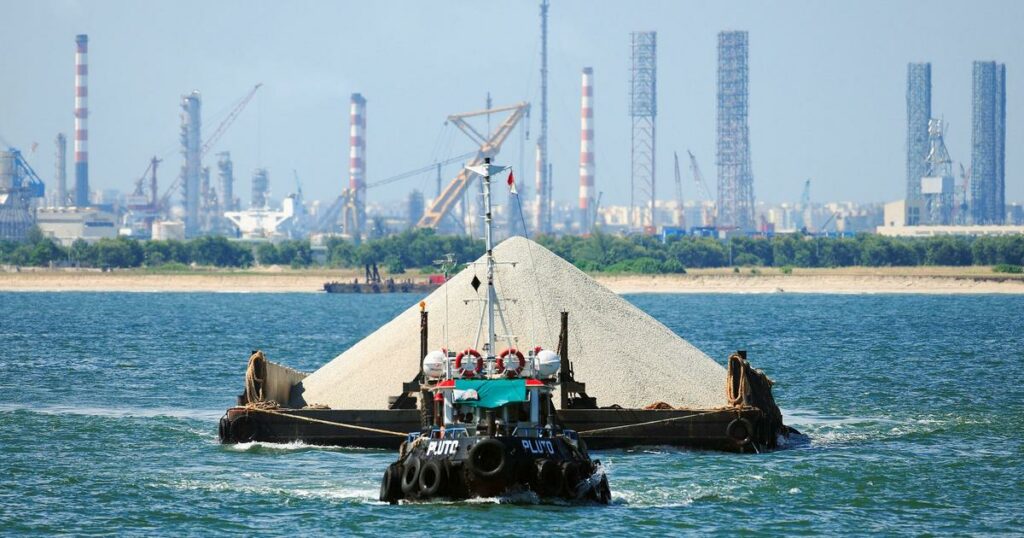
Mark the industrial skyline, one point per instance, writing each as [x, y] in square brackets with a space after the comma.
[312, 148]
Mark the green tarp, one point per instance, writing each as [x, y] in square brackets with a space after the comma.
[490, 393]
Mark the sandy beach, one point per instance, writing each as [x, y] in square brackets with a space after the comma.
[936, 280]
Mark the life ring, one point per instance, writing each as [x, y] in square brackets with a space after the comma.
[469, 372]
[487, 458]
[411, 476]
[740, 430]
[499, 365]
[432, 479]
[391, 484]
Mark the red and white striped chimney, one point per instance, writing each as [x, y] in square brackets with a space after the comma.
[587, 151]
[357, 158]
[81, 121]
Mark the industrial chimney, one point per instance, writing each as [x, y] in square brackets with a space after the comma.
[81, 121]
[61, 173]
[587, 151]
[357, 161]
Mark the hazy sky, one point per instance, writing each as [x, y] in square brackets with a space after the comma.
[827, 85]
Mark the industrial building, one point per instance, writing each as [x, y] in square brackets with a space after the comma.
[66, 225]
[735, 178]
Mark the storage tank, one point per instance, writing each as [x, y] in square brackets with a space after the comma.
[6, 171]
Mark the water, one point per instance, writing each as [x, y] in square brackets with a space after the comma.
[914, 407]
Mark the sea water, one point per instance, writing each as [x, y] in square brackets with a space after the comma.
[913, 406]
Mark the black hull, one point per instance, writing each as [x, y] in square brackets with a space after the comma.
[744, 429]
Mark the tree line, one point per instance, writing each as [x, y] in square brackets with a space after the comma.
[599, 252]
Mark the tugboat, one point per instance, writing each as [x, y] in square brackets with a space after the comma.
[491, 427]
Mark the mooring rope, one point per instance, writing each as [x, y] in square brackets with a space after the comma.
[662, 421]
[327, 422]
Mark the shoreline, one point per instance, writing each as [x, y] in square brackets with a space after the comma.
[853, 280]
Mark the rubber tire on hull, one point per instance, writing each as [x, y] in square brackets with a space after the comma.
[242, 429]
[570, 478]
[411, 476]
[487, 458]
[432, 479]
[740, 430]
[222, 430]
[547, 481]
[391, 484]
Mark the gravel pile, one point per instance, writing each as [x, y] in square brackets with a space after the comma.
[623, 355]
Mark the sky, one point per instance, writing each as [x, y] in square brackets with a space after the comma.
[827, 86]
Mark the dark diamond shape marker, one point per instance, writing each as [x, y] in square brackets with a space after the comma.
[475, 283]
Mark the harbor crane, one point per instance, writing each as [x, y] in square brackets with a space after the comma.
[489, 147]
[698, 178]
[346, 201]
[680, 216]
[805, 207]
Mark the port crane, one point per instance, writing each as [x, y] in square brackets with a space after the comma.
[698, 178]
[805, 206]
[489, 147]
[346, 201]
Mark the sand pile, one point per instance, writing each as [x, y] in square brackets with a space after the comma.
[623, 355]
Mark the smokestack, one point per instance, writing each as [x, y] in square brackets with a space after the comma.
[81, 121]
[192, 170]
[61, 198]
[587, 151]
[357, 159]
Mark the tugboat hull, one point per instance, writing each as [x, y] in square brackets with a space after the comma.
[467, 467]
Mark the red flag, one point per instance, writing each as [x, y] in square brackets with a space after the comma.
[512, 182]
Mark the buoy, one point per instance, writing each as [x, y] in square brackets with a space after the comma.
[501, 368]
[465, 370]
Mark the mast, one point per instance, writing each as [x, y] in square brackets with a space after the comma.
[491, 299]
[486, 170]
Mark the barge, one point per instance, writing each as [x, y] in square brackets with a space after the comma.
[751, 422]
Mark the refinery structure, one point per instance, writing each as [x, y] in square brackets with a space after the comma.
[202, 198]
[942, 198]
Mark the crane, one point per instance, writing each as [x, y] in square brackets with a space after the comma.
[698, 178]
[330, 216]
[212, 139]
[805, 206]
[489, 147]
[680, 216]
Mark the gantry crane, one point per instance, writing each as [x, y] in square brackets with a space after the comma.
[489, 147]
